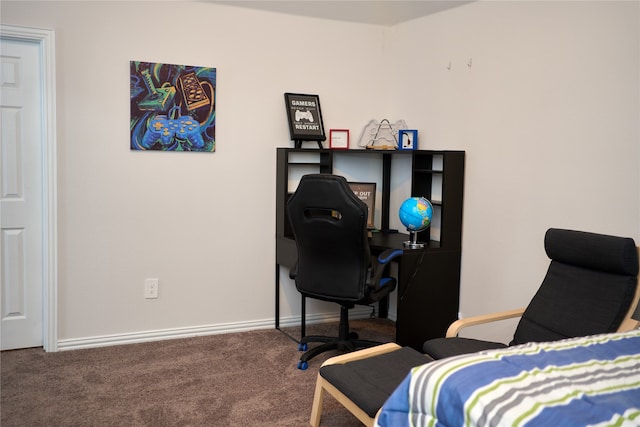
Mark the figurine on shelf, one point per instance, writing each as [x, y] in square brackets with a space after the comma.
[381, 135]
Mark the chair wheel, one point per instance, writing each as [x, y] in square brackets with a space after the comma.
[303, 365]
[353, 335]
[303, 346]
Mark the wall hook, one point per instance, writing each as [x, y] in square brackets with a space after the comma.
[449, 66]
[470, 63]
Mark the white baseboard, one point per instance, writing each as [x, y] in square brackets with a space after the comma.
[194, 331]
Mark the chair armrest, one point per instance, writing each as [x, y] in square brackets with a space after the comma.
[362, 354]
[629, 323]
[389, 254]
[380, 263]
[459, 324]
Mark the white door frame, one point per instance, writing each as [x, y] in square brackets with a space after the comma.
[46, 41]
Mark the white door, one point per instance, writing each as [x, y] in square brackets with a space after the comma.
[21, 195]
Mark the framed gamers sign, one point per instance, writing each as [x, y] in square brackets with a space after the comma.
[172, 107]
[305, 118]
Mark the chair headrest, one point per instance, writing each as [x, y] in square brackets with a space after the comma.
[612, 254]
[326, 191]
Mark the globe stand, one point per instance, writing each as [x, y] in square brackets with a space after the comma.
[413, 243]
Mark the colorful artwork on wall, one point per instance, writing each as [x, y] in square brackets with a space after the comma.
[172, 107]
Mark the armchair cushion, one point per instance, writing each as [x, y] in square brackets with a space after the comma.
[588, 288]
[369, 382]
[439, 348]
[610, 254]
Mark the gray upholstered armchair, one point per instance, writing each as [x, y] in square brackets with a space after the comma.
[588, 289]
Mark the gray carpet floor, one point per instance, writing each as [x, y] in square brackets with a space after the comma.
[242, 379]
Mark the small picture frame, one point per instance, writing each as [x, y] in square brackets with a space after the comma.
[366, 191]
[407, 139]
[305, 118]
[339, 139]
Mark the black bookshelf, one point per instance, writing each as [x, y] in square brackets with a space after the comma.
[429, 278]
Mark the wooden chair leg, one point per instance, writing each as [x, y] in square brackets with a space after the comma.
[348, 404]
[323, 386]
[318, 399]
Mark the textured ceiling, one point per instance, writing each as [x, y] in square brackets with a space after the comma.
[382, 12]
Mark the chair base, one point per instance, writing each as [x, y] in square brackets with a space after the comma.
[346, 341]
[346, 346]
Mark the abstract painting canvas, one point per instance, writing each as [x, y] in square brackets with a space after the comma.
[172, 107]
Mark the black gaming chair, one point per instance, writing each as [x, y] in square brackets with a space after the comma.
[334, 261]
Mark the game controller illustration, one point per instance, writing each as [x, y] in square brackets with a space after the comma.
[172, 107]
[158, 99]
[306, 115]
[381, 134]
[408, 139]
[193, 92]
[164, 129]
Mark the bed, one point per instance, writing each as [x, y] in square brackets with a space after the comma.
[586, 381]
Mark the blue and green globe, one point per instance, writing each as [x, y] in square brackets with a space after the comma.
[416, 213]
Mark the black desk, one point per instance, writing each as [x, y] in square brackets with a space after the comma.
[428, 286]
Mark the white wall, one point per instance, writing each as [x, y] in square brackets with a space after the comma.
[548, 114]
[544, 97]
[204, 224]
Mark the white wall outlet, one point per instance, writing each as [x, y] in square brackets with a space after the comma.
[151, 288]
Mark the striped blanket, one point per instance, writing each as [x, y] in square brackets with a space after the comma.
[590, 381]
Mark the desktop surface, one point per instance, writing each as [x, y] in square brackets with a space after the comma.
[380, 241]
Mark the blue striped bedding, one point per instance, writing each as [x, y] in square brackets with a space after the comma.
[590, 381]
